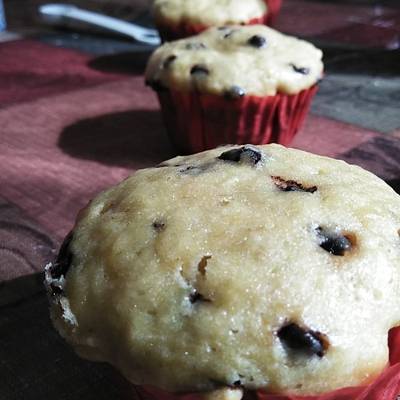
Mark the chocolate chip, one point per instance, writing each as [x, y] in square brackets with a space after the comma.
[199, 70]
[195, 46]
[333, 242]
[158, 226]
[300, 70]
[234, 92]
[237, 383]
[64, 259]
[257, 41]
[169, 60]
[292, 186]
[195, 297]
[242, 154]
[156, 85]
[303, 340]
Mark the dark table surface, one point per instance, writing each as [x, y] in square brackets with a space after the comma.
[75, 117]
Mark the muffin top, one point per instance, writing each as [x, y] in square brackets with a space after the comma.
[234, 61]
[252, 266]
[208, 12]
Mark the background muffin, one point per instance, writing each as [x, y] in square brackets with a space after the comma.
[176, 19]
[255, 267]
[235, 84]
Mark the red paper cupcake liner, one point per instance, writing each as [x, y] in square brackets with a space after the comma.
[169, 32]
[274, 7]
[197, 122]
[385, 387]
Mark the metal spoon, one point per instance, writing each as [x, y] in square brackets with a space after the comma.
[61, 13]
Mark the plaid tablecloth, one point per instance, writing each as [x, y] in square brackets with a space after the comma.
[73, 123]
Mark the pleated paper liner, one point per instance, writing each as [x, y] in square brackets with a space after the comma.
[197, 122]
[169, 32]
[385, 387]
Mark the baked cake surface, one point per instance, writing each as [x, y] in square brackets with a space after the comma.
[208, 12]
[236, 60]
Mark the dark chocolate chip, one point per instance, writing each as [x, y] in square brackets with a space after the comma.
[292, 186]
[300, 70]
[237, 383]
[333, 242]
[234, 92]
[195, 297]
[303, 340]
[195, 46]
[257, 41]
[158, 226]
[64, 259]
[246, 154]
[169, 60]
[199, 70]
[156, 85]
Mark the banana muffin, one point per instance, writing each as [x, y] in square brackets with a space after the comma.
[234, 84]
[176, 19]
[247, 267]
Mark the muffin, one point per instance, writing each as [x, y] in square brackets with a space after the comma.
[237, 84]
[238, 269]
[177, 19]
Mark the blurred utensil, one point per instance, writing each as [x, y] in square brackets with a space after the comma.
[63, 13]
[2, 17]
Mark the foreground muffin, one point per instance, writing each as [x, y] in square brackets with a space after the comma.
[234, 84]
[248, 267]
[176, 19]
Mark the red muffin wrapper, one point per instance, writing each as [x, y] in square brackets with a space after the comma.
[385, 387]
[169, 32]
[197, 122]
[274, 7]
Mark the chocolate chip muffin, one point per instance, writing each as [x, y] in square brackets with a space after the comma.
[234, 84]
[176, 19]
[241, 267]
